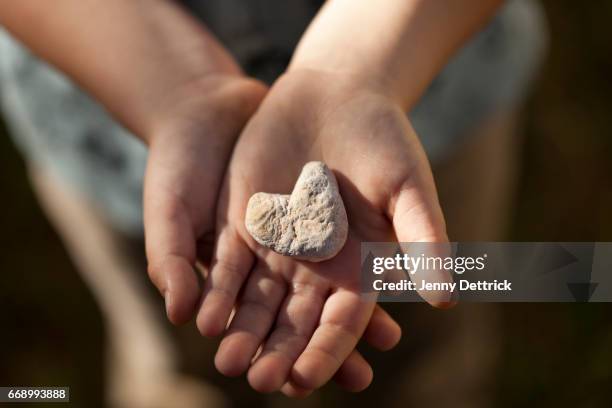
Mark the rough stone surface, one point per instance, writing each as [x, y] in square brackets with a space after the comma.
[310, 224]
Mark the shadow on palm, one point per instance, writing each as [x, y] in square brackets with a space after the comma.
[296, 322]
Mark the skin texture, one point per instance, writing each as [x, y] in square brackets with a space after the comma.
[347, 109]
[168, 80]
[180, 213]
[388, 192]
[134, 57]
[187, 159]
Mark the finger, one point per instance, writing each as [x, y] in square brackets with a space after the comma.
[230, 266]
[343, 321]
[383, 332]
[355, 374]
[259, 304]
[170, 248]
[296, 321]
[293, 391]
[417, 218]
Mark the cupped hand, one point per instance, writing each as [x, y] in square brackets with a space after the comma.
[189, 148]
[296, 324]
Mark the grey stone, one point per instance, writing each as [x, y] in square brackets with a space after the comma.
[310, 224]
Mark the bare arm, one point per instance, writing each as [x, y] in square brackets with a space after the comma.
[402, 44]
[163, 76]
[359, 67]
[129, 54]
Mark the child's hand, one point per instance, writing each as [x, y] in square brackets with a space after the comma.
[190, 146]
[169, 81]
[310, 316]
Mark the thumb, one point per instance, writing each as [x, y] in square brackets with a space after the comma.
[417, 218]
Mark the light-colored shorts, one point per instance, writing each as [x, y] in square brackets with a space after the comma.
[61, 129]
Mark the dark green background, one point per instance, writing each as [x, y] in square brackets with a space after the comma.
[554, 355]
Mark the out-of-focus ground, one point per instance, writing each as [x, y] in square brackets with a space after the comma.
[561, 355]
[553, 355]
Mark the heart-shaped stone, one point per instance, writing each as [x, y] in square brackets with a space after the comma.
[310, 224]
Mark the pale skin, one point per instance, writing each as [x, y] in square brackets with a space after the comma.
[166, 78]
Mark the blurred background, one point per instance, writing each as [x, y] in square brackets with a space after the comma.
[51, 332]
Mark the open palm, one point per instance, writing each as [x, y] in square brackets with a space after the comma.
[296, 323]
[189, 151]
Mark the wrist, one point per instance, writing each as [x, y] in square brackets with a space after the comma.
[312, 100]
[399, 44]
[354, 79]
[211, 101]
[335, 86]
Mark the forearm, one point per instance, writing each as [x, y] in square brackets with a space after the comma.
[130, 55]
[399, 44]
